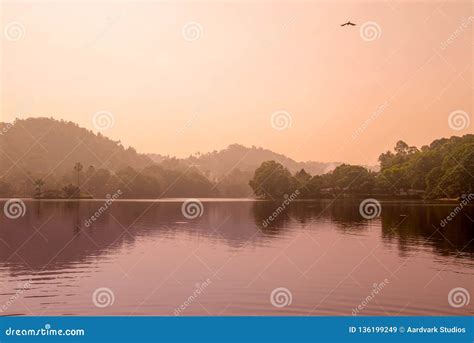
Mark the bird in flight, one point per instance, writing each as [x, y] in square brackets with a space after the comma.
[348, 23]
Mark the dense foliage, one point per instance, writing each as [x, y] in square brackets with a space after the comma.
[44, 157]
[47, 158]
[444, 169]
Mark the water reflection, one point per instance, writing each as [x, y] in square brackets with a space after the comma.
[52, 234]
[152, 257]
[410, 224]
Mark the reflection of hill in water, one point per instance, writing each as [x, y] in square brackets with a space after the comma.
[52, 235]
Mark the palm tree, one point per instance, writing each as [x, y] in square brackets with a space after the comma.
[38, 183]
[78, 168]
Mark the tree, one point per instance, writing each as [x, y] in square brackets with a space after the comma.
[272, 181]
[78, 168]
[352, 179]
[5, 189]
[38, 183]
[303, 179]
[401, 148]
[71, 191]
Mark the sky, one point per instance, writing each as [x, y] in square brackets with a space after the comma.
[180, 77]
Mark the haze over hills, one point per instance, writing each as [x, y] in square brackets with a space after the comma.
[49, 158]
[60, 144]
[48, 148]
[216, 164]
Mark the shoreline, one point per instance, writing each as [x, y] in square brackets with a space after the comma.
[381, 200]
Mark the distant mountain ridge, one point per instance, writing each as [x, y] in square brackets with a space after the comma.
[41, 154]
[216, 164]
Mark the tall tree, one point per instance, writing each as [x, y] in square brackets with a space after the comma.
[38, 183]
[272, 181]
[78, 168]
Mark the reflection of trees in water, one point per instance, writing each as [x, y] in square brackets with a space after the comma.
[53, 234]
[411, 224]
[345, 214]
[420, 225]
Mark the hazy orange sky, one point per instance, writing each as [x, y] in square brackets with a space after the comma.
[173, 93]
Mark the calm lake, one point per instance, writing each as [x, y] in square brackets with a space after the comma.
[318, 258]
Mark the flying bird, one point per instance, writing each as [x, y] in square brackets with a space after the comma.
[348, 23]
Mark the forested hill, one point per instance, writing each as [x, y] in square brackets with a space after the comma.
[44, 157]
[216, 164]
[49, 158]
[48, 146]
[443, 169]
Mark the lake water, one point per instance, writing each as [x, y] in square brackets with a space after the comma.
[318, 258]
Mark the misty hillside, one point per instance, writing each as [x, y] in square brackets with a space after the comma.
[56, 158]
[49, 146]
[218, 163]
